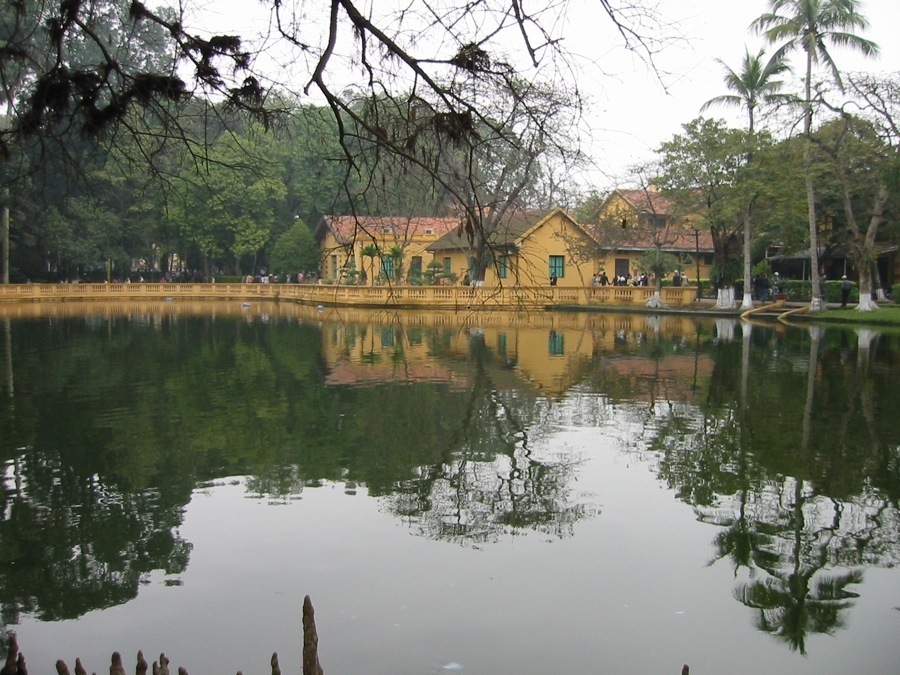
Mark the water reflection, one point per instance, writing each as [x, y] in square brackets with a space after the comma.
[784, 441]
[792, 479]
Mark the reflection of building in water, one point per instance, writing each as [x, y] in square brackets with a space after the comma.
[550, 353]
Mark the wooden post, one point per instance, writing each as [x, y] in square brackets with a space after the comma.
[311, 664]
[15, 660]
[9, 667]
[115, 666]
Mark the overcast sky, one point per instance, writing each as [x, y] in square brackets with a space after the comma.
[636, 114]
[632, 110]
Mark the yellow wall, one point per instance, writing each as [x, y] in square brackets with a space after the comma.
[615, 210]
[333, 256]
[556, 235]
[459, 263]
[413, 246]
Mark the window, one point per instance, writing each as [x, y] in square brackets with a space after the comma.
[446, 265]
[387, 265]
[556, 344]
[415, 265]
[557, 266]
[334, 267]
[502, 264]
[501, 344]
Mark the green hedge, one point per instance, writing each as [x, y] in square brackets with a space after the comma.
[801, 290]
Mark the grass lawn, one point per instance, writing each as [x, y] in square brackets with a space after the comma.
[886, 314]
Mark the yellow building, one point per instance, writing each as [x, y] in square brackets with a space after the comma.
[370, 250]
[632, 222]
[528, 248]
[525, 248]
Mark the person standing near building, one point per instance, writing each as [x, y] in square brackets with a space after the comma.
[846, 285]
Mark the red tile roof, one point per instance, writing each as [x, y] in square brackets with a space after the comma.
[647, 201]
[347, 228]
[642, 238]
[514, 224]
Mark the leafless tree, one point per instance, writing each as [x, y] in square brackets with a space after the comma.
[440, 63]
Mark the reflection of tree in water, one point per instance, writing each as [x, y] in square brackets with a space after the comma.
[71, 544]
[279, 483]
[490, 482]
[476, 501]
[797, 597]
[773, 470]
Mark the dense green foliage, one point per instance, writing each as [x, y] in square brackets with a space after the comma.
[143, 184]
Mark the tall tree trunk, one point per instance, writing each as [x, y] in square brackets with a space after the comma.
[880, 294]
[863, 244]
[4, 236]
[816, 303]
[747, 301]
[4, 197]
[865, 302]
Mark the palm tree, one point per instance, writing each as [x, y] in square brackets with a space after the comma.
[811, 25]
[397, 254]
[754, 85]
[370, 251]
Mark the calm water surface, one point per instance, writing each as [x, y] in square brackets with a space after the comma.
[456, 493]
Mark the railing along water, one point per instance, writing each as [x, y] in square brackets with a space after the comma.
[449, 297]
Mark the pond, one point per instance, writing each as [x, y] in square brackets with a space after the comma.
[474, 493]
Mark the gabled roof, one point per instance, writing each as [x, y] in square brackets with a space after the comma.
[514, 227]
[645, 201]
[347, 229]
[643, 238]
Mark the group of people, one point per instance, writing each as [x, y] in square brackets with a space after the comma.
[266, 278]
[846, 287]
[626, 279]
[762, 286]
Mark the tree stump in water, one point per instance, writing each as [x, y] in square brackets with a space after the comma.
[15, 661]
[311, 664]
